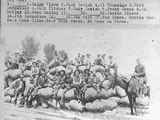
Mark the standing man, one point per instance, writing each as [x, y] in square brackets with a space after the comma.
[35, 73]
[112, 70]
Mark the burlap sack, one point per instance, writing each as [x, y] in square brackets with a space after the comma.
[123, 101]
[91, 94]
[9, 92]
[107, 84]
[14, 74]
[105, 94]
[69, 95]
[142, 101]
[7, 99]
[101, 105]
[120, 92]
[45, 92]
[74, 105]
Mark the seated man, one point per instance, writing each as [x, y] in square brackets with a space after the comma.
[67, 85]
[87, 80]
[77, 82]
[35, 73]
[19, 92]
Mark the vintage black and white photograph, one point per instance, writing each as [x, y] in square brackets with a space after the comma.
[64, 71]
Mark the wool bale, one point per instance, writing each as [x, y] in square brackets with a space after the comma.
[109, 104]
[15, 84]
[45, 92]
[14, 74]
[101, 105]
[123, 101]
[104, 94]
[107, 84]
[82, 67]
[7, 99]
[90, 94]
[142, 101]
[95, 106]
[74, 105]
[120, 92]
[116, 99]
[98, 68]
[27, 73]
[9, 92]
[70, 94]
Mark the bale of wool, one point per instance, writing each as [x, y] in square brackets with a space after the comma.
[45, 92]
[142, 101]
[116, 99]
[15, 84]
[14, 74]
[27, 73]
[100, 105]
[98, 68]
[9, 92]
[95, 106]
[70, 94]
[82, 67]
[7, 99]
[123, 101]
[91, 94]
[107, 84]
[120, 92]
[74, 105]
[110, 104]
[104, 94]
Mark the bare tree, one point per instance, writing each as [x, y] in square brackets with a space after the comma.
[63, 56]
[50, 52]
[30, 47]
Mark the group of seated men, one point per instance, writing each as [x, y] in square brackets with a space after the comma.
[79, 79]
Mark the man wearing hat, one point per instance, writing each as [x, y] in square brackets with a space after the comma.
[112, 70]
[68, 82]
[140, 74]
[98, 60]
[86, 82]
[19, 92]
[35, 72]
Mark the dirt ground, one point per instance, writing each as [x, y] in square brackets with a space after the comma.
[12, 112]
